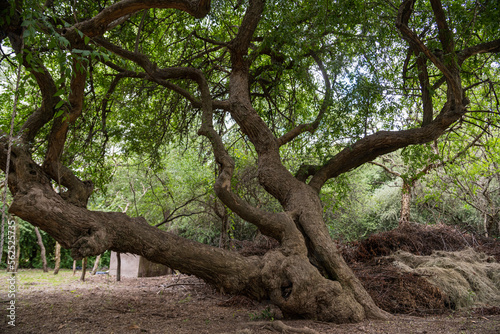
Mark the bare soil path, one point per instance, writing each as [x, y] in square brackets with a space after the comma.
[179, 304]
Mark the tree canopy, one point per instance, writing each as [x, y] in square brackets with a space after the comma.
[312, 89]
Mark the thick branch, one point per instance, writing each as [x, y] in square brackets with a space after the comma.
[383, 142]
[450, 70]
[444, 32]
[90, 233]
[159, 76]
[488, 47]
[46, 111]
[78, 191]
[103, 21]
[279, 226]
[423, 78]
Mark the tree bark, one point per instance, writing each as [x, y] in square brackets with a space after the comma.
[57, 256]
[42, 249]
[74, 267]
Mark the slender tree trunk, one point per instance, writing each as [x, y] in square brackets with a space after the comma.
[42, 250]
[225, 238]
[18, 246]
[2, 235]
[74, 267]
[405, 202]
[118, 267]
[57, 264]
[84, 269]
[96, 264]
[492, 223]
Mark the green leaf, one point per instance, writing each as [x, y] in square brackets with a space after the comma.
[58, 105]
[59, 92]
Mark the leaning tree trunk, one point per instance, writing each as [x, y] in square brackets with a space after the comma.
[96, 264]
[42, 249]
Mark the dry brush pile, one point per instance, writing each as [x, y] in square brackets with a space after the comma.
[418, 269]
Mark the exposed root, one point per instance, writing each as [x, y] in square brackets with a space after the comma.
[280, 327]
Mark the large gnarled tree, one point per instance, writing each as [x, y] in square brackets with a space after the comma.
[279, 71]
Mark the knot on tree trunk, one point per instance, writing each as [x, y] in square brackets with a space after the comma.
[79, 196]
[299, 290]
[92, 242]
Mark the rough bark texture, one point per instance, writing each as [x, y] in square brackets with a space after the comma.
[305, 276]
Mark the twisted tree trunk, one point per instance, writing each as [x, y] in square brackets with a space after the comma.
[305, 276]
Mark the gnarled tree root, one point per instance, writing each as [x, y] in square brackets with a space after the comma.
[280, 327]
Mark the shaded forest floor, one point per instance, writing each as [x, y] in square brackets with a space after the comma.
[184, 304]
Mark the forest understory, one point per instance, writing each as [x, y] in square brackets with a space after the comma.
[433, 279]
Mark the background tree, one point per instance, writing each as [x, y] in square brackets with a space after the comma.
[57, 256]
[42, 249]
[474, 182]
[314, 77]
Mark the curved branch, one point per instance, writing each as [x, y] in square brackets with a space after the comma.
[444, 32]
[271, 224]
[103, 21]
[78, 191]
[386, 168]
[91, 233]
[159, 76]
[46, 111]
[382, 142]
[450, 71]
[311, 127]
[488, 47]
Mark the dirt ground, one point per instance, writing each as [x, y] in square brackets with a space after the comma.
[184, 304]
